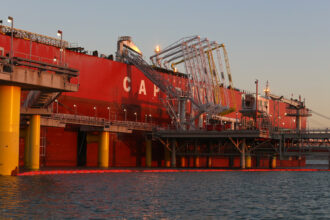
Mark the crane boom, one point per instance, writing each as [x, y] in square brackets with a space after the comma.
[295, 103]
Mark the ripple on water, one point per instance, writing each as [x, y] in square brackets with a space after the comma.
[278, 195]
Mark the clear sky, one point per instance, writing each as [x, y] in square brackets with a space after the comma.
[285, 41]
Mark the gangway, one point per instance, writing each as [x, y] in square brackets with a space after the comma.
[203, 80]
[203, 65]
[91, 123]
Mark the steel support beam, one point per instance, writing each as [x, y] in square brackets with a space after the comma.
[173, 154]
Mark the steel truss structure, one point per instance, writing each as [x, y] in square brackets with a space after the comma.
[205, 85]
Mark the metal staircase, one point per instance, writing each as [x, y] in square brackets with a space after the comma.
[172, 94]
[154, 76]
[40, 99]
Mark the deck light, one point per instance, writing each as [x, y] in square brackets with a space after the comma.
[75, 109]
[10, 19]
[95, 111]
[109, 110]
[157, 49]
[56, 101]
[60, 34]
[125, 111]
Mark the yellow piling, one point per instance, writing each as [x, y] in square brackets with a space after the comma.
[197, 162]
[209, 162]
[27, 147]
[274, 162]
[148, 153]
[103, 153]
[34, 140]
[183, 161]
[248, 162]
[9, 129]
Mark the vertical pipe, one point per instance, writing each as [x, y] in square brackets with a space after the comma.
[200, 121]
[173, 154]
[256, 103]
[35, 143]
[167, 157]
[243, 155]
[61, 48]
[278, 114]
[183, 113]
[27, 147]
[196, 155]
[209, 158]
[274, 114]
[280, 146]
[30, 47]
[298, 126]
[9, 129]
[148, 152]
[103, 151]
[257, 161]
[12, 40]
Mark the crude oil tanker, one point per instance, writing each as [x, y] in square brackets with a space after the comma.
[113, 91]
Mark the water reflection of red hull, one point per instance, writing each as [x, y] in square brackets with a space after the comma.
[59, 172]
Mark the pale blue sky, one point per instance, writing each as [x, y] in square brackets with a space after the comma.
[286, 41]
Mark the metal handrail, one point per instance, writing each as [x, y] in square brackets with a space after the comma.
[34, 36]
[96, 121]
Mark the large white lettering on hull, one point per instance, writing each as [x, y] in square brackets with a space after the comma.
[142, 88]
[127, 80]
[156, 90]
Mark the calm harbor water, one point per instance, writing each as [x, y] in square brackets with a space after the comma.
[210, 195]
